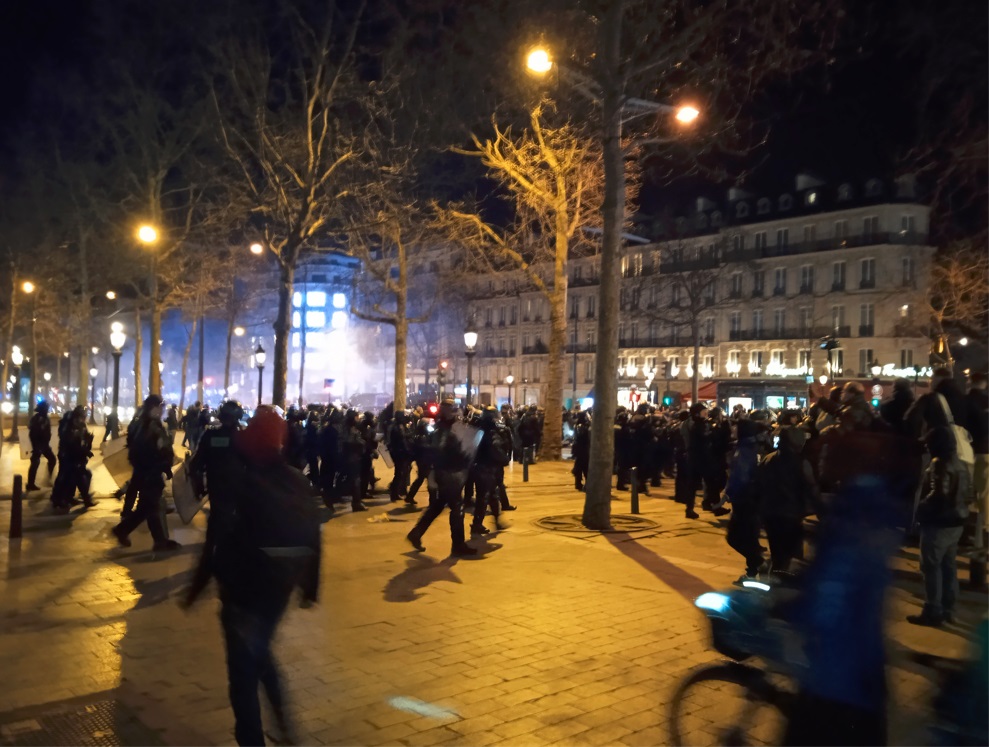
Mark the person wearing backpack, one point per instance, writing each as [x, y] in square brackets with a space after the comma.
[150, 452]
[492, 456]
[941, 515]
[264, 548]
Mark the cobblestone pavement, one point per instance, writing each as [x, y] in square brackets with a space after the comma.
[549, 637]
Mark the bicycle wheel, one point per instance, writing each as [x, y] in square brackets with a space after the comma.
[727, 704]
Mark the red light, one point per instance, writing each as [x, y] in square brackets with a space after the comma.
[433, 409]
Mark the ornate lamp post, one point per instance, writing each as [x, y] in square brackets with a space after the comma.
[92, 395]
[259, 359]
[470, 341]
[17, 358]
[509, 380]
[117, 340]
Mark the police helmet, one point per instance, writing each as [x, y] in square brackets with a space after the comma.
[230, 412]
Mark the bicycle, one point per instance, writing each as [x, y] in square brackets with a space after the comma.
[731, 703]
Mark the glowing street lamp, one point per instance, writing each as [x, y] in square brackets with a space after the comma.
[92, 395]
[111, 295]
[686, 114]
[239, 331]
[27, 286]
[509, 380]
[147, 234]
[17, 358]
[538, 61]
[118, 339]
[256, 248]
[259, 358]
[470, 342]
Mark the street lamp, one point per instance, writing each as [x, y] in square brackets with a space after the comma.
[239, 331]
[509, 380]
[48, 384]
[28, 287]
[17, 358]
[117, 340]
[111, 295]
[256, 248]
[147, 234]
[92, 395]
[259, 359]
[876, 369]
[470, 341]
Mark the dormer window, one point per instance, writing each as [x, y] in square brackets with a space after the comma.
[786, 202]
[716, 219]
[681, 225]
[742, 210]
[701, 220]
[763, 206]
[873, 188]
[845, 192]
[810, 198]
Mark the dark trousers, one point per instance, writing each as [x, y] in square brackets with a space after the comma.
[421, 472]
[715, 479]
[149, 487]
[579, 470]
[313, 461]
[486, 482]
[938, 551]
[36, 454]
[400, 483]
[247, 633]
[693, 481]
[743, 536]
[446, 495]
[786, 538]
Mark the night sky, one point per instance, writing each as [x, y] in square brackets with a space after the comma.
[855, 120]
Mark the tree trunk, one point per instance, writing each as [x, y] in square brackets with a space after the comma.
[138, 350]
[9, 341]
[283, 330]
[154, 375]
[226, 365]
[201, 384]
[303, 313]
[84, 383]
[401, 356]
[185, 362]
[597, 496]
[694, 379]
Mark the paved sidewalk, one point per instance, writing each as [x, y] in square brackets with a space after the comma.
[550, 637]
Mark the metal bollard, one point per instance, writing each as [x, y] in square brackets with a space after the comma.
[634, 486]
[525, 464]
[16, 509]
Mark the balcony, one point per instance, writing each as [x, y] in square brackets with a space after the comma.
[779, 291]
[806, 247]
[757, 293]
[837, 287]
[540, 348]
[866, 284]
[735, 294]
[845, 330]
[806, 290]
[867, 330]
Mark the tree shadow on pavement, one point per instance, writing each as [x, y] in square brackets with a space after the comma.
[685, 584]
[419, 573]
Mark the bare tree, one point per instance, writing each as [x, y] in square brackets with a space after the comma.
[959, 296]
[286, 126]
[553, 179]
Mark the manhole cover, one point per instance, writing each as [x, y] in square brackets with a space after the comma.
[619, 523]
[106, 723]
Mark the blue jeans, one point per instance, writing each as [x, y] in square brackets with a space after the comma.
[938, 548]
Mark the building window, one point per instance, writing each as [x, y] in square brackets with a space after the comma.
[779, 289]
[736, 285]
[806, 319]
[782, 237]
[844, 192]
[742, 210]
[906, 358]
[339, 301]
[837, 318]
[760, 239]
[779, 322]
[807, 278]
[757, 322]
[867, 273]
[905, 311]
[908, 271]
[755, 361]
[515, 314]
[591, 302]
[738, 242]
[758, 282]
[732, 358]
[841, 230]
[676, 291]
[735, 322]
[316, 299]
[588, 371]
[867, 319]
[838, 276]
[578, 272]
[489, 317]
[908, 225]
[785, 202]
[870, 226]
[865, 361]
[803, 359]
[708, 330]
[634, 334]
[776, 357]
[810, 234]
[653, 296]
[763, 206]
[838, 361]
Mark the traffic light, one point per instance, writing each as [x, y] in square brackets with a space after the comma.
[667, 401]
[433, 409]
[441, 373]
[875, 401]
[666, 375]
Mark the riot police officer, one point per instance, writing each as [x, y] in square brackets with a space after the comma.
[40, 434]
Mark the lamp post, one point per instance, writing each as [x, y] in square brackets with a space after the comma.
[92, 395]
[68, 378]
[149, 235]
[17, 358]
[509, 380]
[259, 359]
[117, 340]
[470, 341]
[28, 287]
[48, 384]
[525, 391]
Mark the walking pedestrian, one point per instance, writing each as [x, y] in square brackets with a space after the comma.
[40, 435]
